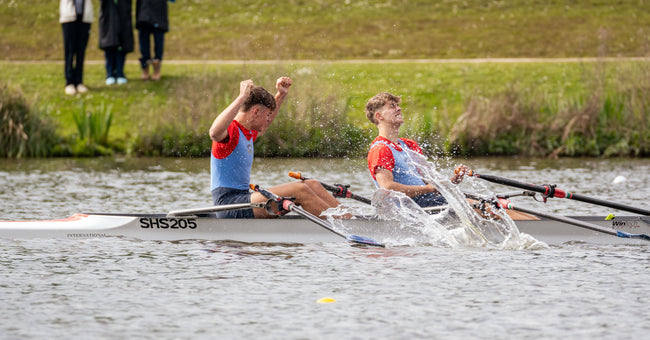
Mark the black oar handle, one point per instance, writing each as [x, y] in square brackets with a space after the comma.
[338, 190]
[552, 191]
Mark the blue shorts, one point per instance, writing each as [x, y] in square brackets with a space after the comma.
[430, 199]
[222, 196]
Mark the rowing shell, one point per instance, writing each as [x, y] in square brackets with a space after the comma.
[286, 229]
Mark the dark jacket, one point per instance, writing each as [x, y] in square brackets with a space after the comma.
[115, 25]
[152, 13]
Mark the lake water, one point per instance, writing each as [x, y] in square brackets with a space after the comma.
[121, 288]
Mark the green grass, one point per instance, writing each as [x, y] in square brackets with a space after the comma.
[171, 117]
[475, 108]
[429, 88]
[336, 29]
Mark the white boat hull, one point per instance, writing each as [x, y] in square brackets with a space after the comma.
[287, 229]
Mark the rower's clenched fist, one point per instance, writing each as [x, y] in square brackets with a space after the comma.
[459, 173]
[283, 84]
[245, 87]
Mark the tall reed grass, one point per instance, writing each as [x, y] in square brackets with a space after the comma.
[92, 128]
[610, 120]
[313, 122]
[24, 132]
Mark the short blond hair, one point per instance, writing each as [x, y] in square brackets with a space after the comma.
[377, 102]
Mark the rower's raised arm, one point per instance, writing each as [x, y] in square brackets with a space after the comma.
[282, 85]
[219, 128]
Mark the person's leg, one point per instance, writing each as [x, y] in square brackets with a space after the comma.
[82, 33]
[120, 60]
[159, 41]
[109, 56]
[145, 47]
[144, 38]
[68, 53]
[313, 198]
[224, 196]
[430, 199]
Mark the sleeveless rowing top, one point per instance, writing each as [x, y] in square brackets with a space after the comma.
[231, 162]
[404, 171]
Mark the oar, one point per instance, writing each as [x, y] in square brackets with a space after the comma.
[503, 203]
[552, 191]
[289, 205]
[338, 190]
[217, 208]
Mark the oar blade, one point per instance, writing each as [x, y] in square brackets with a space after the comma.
[628, 235]
[364, 240]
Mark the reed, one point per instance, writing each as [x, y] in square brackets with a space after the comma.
[92, 128]
[609, 119]
[24, 131]
[313, 122]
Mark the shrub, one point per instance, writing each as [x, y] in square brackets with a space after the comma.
[24, 131]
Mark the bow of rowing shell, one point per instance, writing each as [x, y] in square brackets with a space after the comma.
[287, 229]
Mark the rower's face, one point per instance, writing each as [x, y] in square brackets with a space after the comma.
[391, 113]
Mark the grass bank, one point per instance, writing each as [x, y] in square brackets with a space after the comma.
[538, 109]
[381, 29]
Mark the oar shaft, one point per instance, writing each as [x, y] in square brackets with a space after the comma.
[338, 191]
[559, 193]
[291, 206]
[212, 209]
[596, 201]
[511, 182]
[508, 205]
[302, 212]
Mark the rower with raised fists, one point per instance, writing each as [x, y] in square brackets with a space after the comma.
[233, 132]
[388, 161]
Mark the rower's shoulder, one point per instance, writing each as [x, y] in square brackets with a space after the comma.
[412, 144]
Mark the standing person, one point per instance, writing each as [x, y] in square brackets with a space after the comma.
[151, 19]
[233, 132]
[115, 37]
[388, 160]
[75, 17]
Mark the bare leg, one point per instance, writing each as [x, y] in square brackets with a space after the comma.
[311, 197]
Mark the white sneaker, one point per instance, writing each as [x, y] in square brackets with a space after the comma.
[110, 81]
[81, 88]
[70, 90]
[121, 81]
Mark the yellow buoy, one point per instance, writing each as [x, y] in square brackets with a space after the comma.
[326, 300]
[610, 217]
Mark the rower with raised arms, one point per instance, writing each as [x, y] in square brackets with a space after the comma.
[388, 160]
[233, 132]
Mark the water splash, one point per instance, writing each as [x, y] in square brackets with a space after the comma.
[404, 223]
